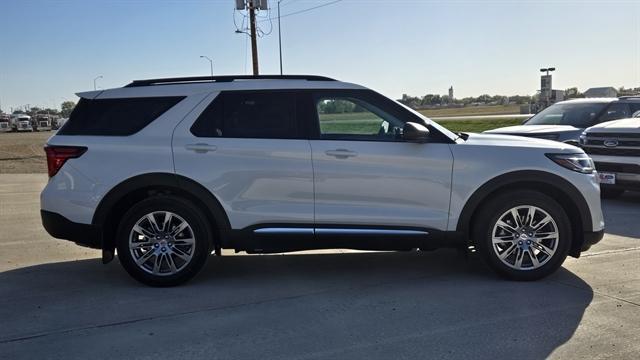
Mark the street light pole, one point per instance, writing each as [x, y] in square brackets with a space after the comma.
[210, 62]
[94, 82]
[546, 85]
[279, 37]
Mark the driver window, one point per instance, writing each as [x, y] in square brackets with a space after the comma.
[350, 118]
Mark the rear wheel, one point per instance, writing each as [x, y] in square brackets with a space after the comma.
[523, 235]
[163, 241]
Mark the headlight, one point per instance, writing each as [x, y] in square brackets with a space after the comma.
[583, 139]
[576, 162]
[573, 142]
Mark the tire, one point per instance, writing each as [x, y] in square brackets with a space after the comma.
[549, 244]
[610, 193]
[164, 258]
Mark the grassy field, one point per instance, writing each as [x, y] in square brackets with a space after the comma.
[22, 153]
[473, 111]
[364, 123]
[478, 125]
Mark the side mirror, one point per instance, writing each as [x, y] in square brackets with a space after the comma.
[415, 132]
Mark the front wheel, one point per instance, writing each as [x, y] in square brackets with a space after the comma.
[523, 235]
[163, 241]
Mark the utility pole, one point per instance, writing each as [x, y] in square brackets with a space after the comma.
[254, 43]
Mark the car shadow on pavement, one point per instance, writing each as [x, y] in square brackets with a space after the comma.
[621, 214]
[349, 305]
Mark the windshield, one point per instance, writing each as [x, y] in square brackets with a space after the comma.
[580, 115]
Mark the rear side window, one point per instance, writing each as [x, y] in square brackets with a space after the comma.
[116, 117]
[249, 115]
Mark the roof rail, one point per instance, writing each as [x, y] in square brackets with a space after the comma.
[224, 78]
[629, 97]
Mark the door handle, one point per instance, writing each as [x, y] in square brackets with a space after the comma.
[341, 153]
[201, 148]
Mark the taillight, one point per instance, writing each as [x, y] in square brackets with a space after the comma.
[58, 155]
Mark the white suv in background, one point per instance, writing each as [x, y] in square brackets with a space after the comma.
[168, 171]
[615, 148]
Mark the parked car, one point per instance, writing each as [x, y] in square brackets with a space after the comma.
[21, 122]
[168, 171]
[5, 123]
[42, 123]
[615, 148]
[566, 120]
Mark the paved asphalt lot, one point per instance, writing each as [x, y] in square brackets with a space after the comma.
[58, 301]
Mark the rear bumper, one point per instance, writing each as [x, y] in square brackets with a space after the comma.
[591, 238]
[60, 227]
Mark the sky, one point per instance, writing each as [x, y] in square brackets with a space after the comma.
[49, 50]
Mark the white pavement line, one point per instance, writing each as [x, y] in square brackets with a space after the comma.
[26, 242]
[200, 310]
[612, 297]
[607, 252]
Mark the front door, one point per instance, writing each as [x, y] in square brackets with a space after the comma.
[366, 175]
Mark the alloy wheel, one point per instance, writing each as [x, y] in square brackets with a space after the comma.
[525, 237]
[162, 243]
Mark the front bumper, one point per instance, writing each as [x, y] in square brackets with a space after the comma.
[60, 227]
[627, 171]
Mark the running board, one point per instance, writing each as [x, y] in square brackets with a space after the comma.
[279, 238]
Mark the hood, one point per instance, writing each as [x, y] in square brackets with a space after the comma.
[533, 129]
[519, 142]
[616, 126]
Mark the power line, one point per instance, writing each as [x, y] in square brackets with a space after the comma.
[283, 4]
[303, 10]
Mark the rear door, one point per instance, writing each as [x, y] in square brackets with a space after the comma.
[366, 175]
[249, 150]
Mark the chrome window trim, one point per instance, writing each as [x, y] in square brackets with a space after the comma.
[284, 230]
[338, 231]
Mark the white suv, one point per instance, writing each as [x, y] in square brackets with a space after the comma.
[615, 148]
[168, 171]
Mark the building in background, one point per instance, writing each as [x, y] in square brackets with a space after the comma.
[608, 91]
[451, 94]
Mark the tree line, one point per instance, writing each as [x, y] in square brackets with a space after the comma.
[435, 99]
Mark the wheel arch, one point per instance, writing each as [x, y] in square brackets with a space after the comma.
[115, 203]
[561, 190]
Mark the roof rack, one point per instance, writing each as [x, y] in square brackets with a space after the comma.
[224, 78]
